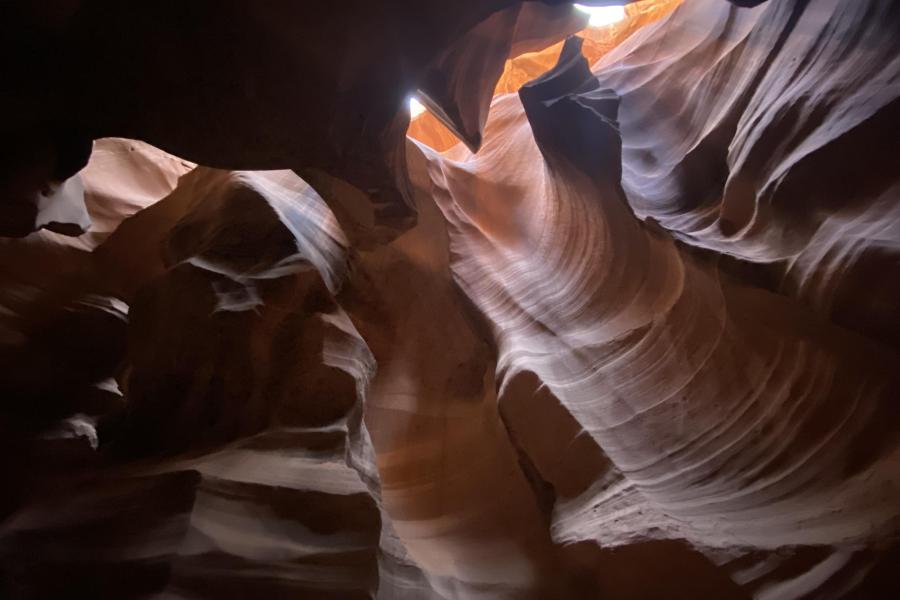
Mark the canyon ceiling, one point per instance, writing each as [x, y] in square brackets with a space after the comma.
[618, 317]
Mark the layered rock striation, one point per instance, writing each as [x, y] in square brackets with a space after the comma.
[625, 327]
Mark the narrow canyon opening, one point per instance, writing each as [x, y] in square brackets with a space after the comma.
[429, 300]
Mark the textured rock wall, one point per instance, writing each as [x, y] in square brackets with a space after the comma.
[633, 336]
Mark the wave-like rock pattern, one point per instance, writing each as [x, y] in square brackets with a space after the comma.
[740, 397]
[642, 343]
[768, 135]
[213, 479]
[733, 416]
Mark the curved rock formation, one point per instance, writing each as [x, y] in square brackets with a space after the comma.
[633, 335]
[526, 63]
[578, 283]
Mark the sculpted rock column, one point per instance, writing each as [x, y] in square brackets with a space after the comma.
[735, 417]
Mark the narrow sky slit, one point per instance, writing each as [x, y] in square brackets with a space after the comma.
[602, 15]
[415, 107]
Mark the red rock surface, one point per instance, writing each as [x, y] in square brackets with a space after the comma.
[635, 336]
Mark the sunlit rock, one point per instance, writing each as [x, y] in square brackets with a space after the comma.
[614, 317]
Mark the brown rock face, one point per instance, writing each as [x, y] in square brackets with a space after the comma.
[617, 319]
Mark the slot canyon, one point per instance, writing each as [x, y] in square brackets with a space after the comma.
[613, 313]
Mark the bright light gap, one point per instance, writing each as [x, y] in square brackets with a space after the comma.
[602, 15]
[416, 108]
[599, 16]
